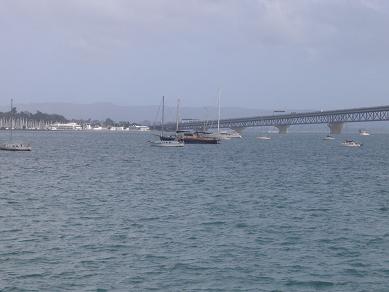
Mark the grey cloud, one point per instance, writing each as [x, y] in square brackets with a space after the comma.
[131, 51]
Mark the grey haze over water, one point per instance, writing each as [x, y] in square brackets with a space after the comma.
[263, 54]
[107, 212]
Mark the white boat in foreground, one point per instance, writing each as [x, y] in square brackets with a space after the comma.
[351, 143]
[263, 138]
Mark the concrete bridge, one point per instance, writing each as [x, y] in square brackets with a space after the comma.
[335, 120]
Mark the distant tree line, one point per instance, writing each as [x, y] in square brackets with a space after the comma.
[56, 118]
[38, 116]
[108, 123]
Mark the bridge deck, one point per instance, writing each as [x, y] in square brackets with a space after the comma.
[366, 114]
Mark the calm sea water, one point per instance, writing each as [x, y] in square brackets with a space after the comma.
[105, 211]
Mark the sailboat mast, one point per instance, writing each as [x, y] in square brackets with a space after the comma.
[218, 119]
[178, 114]
[12, 119]
[163, 114]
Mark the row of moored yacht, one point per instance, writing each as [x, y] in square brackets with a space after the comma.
[183, 137]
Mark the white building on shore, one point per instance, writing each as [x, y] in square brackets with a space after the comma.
[65, 127]
[138, 128]
[76, 127]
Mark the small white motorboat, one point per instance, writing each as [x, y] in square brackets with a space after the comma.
[263, 138]
[172, 143]
[351, 143]
[15, 147]
[329, 137]
[364, 133]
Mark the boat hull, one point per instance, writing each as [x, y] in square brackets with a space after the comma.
[351, 144]
[263, 138]
[15, 147]
[199, 140]
[167, 144]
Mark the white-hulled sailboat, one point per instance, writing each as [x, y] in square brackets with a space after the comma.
[223, 135]
[163, 142]
[11, 146]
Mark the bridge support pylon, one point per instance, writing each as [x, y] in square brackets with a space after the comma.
[335, 128]
[282, 129]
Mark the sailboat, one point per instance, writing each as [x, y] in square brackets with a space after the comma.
[363, 133]
[165, 141]
[329, 137]
[190, 137]
[11, 146]
[223, 135]
[173, 137]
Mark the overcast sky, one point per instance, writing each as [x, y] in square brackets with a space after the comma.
[269, 54]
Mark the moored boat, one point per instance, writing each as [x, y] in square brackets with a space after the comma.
[225, 135]
[15, 147]
[11, 146]
[364, 133]
[232, 134]
[189, 137]
[328, 137]
[166, 141]
[171, 143]
[351, 143]
[263, 138]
